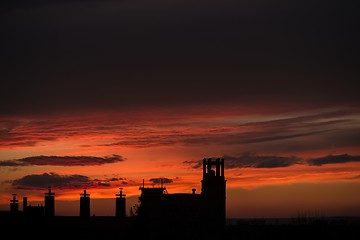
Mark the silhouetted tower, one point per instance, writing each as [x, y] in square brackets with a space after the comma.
[49, 203]
[14, 205]
[84, 204]
[213, 191]
[120, 205]
[25, 204]
[151, 202]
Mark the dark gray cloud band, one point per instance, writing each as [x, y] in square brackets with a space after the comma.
[161, 180]
[251, 160]
[62, 161]
[248, 160]
[42, 181]
[74, 181]
[332, 159]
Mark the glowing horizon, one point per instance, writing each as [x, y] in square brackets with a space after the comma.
[105, 152]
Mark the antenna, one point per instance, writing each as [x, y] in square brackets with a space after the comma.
[14, 200]
[49, 193]
[121, 195]
[85, 194]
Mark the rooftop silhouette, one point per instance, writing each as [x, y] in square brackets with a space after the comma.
[166, 216]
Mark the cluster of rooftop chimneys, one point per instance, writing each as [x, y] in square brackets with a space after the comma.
[49, 209]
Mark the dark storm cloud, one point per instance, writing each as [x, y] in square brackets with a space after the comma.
[120, 55]
[332, 159]
[251, 160]
[44, 180]
[62, 161]
[161, 180]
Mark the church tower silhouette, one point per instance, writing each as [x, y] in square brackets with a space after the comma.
[213, 191]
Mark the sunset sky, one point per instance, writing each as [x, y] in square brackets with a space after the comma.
[104, 94]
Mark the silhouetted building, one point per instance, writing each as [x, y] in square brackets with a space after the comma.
[189, 211]
[158, 211]
[24, 204]
[170, 216]
[14, 205]
[213, 191]
[120, 209]
[84, 204]
[32, 211]
[49, 203]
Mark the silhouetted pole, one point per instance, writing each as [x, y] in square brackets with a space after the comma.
[84, 204]
[49, 203]
[14, 205]
[120, 211]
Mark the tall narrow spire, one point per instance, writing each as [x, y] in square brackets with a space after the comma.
[49, 203]
[84, 204]
[120, 211]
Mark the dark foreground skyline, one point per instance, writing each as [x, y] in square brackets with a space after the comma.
[162, 215]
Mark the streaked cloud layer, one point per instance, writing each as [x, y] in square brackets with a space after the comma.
[186, 130]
